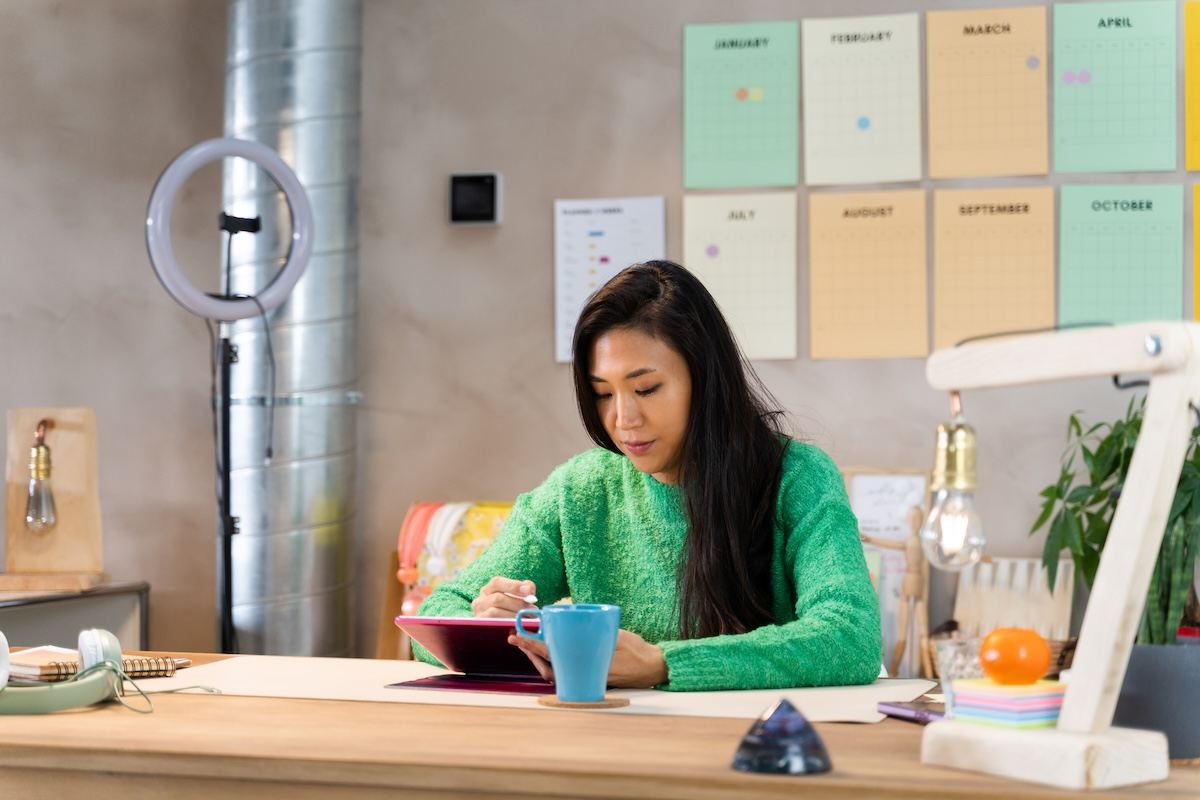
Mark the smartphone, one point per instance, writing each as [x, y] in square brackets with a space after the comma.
[919, 711]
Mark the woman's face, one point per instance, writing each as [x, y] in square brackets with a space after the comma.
[643, 393]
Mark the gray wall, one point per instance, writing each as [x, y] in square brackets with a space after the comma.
[462, 396]
[97, 98]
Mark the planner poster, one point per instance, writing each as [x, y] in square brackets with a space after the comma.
[741, 105]
[987, 92]
[1191, 84]
[862, 100]
[1114, 86]
[743, 247]
[993, 262]
[1121, 253]
[867, 267]
[594, 240]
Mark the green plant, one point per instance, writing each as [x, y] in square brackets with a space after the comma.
[1080, 511]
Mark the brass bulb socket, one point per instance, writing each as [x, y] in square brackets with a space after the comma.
[954, 458]
[39, 462]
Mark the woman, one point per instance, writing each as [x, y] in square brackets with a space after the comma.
[731, 549]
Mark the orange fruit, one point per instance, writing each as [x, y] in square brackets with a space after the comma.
[1014, 655]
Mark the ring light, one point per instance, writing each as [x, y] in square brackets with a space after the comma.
[158, 230]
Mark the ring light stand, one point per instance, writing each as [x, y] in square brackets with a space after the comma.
[226, 308]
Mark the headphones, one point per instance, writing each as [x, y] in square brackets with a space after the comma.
[98, 679]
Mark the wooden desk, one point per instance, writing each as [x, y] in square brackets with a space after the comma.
[210, 746]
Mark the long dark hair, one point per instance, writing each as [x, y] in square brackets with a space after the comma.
[732, 451]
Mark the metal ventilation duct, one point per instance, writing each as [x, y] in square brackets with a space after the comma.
[292, 82]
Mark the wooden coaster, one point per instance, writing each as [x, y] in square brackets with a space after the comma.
[609, 701]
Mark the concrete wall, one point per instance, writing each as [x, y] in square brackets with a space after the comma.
[462, 396]
[97, 98]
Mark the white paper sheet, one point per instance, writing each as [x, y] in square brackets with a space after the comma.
[881, 502]
[743, 247]
[367, 679]
[862, 99]
[594, 240]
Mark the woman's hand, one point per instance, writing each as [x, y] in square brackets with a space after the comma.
[636, 663]
[495, 598]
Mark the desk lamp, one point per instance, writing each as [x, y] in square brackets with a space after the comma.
[1084, 751]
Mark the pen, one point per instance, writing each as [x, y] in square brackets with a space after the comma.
[529, 598]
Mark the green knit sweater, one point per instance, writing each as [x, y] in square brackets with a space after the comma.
[600, 531]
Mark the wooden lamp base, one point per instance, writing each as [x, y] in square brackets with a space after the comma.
[1116, 757]
[70, 556]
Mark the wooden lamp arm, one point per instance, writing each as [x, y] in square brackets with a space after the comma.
[1169, 352]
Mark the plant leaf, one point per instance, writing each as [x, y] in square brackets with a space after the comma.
[1052, 548]
[1073, 535]
[1080, 495]
[1047, 510]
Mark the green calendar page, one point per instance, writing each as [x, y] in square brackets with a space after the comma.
[741, 105]
[1120, 253]
[1114, 86]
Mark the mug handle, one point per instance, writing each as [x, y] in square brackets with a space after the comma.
[523, 614]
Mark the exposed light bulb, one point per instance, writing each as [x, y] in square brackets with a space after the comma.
[40, 515]
[952, 535]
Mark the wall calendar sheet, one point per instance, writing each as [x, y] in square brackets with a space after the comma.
[987, 92]
[862, 99]
[867, 285]
[740, 105]
[1120, 253]
[743, 247]
[993, 264]
[1114, 86]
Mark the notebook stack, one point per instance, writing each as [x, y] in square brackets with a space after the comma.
[984, 702]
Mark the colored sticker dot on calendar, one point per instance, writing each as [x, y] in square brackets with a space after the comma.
[712, 251]
[1033, 62]
[756, 94]
[742, 93]
[1068, 77]
[1084, 76]
[863, 123]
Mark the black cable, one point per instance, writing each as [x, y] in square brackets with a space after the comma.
[227, 289]
[270, 452]
[1068, 326]
[214, 359]
[271, 380]
[1117, 382]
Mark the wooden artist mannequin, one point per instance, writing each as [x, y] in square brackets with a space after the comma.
[913, 593]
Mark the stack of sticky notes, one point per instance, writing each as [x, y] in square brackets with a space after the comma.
[982, 701]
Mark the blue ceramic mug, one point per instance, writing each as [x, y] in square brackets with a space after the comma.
[581, 640]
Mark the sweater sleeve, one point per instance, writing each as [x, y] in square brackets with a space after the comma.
[835, 638]
[529, 547]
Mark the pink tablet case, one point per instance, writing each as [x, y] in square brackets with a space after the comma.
[479, 649]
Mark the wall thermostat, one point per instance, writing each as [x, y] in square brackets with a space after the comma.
[476, 197]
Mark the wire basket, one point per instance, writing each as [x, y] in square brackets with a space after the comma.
[1062, 653]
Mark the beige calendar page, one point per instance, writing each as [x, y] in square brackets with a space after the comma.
[867, 265]
[993, 262]
[987, 92]
[743, 247]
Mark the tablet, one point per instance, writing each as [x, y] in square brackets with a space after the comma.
[477, 647]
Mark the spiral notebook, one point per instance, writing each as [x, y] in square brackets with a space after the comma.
[50, 663]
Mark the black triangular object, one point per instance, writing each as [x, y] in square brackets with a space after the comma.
[782, 742]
